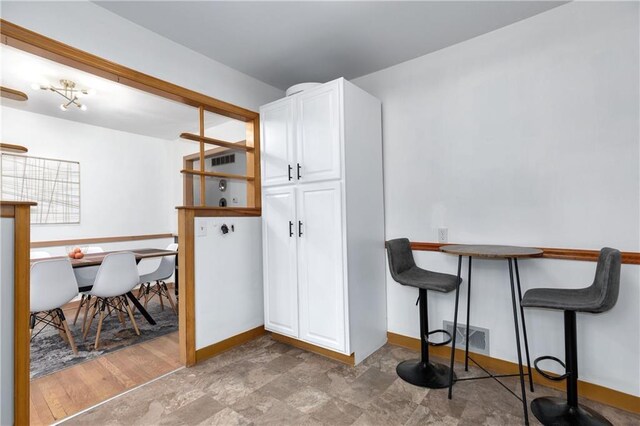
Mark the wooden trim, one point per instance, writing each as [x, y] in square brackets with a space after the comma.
[588, 390]
[215, 174]
[186, 275]
[212, 153]
[254, 188]
[16, 95]
[230, 343]
[21, 287]
[16, 149]
[337, 356]
[8, 208]
[82, 241]
[628, 257]
[218, 142]
[29, 41]
[203, 185]
[222, 211]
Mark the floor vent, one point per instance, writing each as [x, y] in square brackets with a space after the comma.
[223, 159]
[478, 337]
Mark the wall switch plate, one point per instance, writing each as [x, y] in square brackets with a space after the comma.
[443, 235]
[201, 230]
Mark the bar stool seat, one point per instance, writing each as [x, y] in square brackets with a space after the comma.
[598, 297]
[428, 280]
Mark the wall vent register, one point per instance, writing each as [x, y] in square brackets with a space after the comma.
[478, 337]
[223, 159]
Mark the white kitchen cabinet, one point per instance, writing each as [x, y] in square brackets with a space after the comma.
[323, 224]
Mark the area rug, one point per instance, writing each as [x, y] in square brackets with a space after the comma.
[50, 353]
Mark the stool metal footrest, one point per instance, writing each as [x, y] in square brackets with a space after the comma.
[549, 376]
[446, 342]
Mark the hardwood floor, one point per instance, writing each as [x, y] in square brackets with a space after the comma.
[74, 389]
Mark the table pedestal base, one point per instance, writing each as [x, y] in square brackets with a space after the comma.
[556, 411]
[427, 375]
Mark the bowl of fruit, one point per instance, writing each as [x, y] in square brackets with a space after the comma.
[76, 253]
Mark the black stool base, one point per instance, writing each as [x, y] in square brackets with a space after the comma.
[557, 412]
[427, 375]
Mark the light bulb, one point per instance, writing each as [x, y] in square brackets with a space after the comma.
[83, 107]
[63, 107]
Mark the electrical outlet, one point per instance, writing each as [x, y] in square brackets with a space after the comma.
[443, 235]
[201, 229]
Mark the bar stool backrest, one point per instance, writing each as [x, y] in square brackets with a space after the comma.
[606, 284]
[400, 256]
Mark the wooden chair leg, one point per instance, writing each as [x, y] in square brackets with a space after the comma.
[82, 300]
[56, 319]
[133, 320]
[159, 293]
[118, 308]
[95, 346]
[91, 315]
[168, 294]
[63, 321]
[86, 312]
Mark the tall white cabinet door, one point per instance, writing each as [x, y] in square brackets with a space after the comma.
[318, 136]
[279, 239]
[277, 144]
[320, 266]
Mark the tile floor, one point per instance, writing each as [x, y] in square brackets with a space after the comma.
[268, 383]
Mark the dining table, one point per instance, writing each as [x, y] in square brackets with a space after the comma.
[95, 259]
[510, 254]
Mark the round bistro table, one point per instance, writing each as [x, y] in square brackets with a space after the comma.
[496, 252]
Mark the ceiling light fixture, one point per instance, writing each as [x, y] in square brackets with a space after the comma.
[67, 91]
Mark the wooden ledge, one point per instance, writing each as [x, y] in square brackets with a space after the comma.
[204, 211]
[8, 208]
[628, 257]
[16, 149]
[97, 240]
[218, 142]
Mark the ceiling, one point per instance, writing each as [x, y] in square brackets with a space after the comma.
[285, 43]
[114, 105]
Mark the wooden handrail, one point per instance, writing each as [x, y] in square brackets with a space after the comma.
[212, 141]
[215, 174]
[628, 257]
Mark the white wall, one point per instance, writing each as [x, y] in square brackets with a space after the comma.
[6, 321]
[125, 179]
[228, 270]
[527, 135]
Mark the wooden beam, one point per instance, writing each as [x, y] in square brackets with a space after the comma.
[222, 211]
[97, 240]
[21, 287]
[16, 149]
[29, 41]
[254, 188]
[203, 184]
[212, 141]
[214, 151]
[216, 174]
[186, 275]
[16, 95]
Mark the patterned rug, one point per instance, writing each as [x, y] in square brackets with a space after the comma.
[50, 353]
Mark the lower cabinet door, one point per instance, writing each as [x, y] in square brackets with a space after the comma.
[279, 235]
[320, 265]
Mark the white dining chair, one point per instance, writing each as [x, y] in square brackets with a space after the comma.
[39, 255]
[52, 285]
[153, 284]
[85, 277]
[117, 275]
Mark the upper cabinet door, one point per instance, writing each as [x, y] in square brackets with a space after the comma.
[318, 136]
[320, 265]
[277, 143]
[279, 239]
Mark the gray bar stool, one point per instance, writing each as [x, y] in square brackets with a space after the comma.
[599, 297]
[403, 268]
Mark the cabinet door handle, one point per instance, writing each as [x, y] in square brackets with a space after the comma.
[290, 229]
[290, 168]
[299, 167]
[299, 229]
